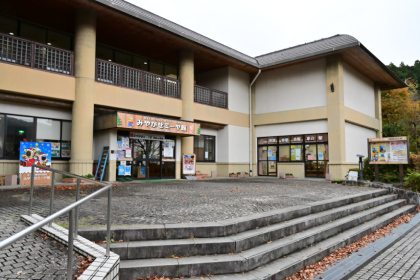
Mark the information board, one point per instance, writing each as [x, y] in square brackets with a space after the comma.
[188, 164]
[391, 150]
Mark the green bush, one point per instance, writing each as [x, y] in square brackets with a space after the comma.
[239, 173]
[232, 173]
[289, 174]
[412, 181]
[246, 173]
[65, 176]
[89, 176]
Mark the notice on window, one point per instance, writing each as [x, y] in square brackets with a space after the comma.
[206, 155]
[119, 145]
[399, 151]
[128, 152]
[269, 153]
[125, 142]
[298, 152]
[321, 156]
[123, 162]
[168, 152]
[311, 157]
[65, 150]
[55, 149]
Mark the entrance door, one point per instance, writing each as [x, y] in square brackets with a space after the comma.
[139, 167]
[267, 157]
[154, 152]
[316, 158]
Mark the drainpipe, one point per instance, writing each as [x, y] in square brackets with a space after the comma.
[250, 123]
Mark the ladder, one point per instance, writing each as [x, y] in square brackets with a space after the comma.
[100, 170]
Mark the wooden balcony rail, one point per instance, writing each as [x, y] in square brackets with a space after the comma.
[28, 53]
[119, 75]
[210, 97]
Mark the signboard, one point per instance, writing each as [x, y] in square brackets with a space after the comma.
[188, 164]
[34, 153]
[142, 136]
[146, 123]
[127, 170]
[391, 150]
[121, 170]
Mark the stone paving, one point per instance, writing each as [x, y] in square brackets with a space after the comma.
[400, 261]
[32, 257]
[184, 201]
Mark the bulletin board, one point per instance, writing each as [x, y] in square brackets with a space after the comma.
[391, 150]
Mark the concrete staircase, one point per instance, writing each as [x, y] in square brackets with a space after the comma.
[270, 245]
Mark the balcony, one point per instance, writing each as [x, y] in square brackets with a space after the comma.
[127, 77]
[35, 55]
[210, 97]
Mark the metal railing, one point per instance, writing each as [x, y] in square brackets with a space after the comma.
[28, 53]
[127, 77]
[73, 215]
[210, 97]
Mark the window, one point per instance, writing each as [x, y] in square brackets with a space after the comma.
[2, 129]
[8, 25]
[205, 147]
[59, 40]
[156, 68]
[140, 63]
[33, 32]
[123, 58]
[104, 53]
[171, 72]
[18, 128]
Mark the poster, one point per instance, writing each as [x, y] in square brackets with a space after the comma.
[298, 152]
[119, 145]
[55, 149]
[120, 154]
[127, 170]
[65, 150]
[378, 152]
[399, 151]
[269, 153]
[121, 170]
[168, 152]
[38, 153]
[128, 152]
[206, 155]
[188, 164]
[321, 156]
[123, 162]
[143, 171]
[293, 153]
[311, 157]
[125, 142]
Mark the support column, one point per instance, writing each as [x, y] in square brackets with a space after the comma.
[336, 121]
[254, 137]
[378, 109]
[81, 162]
[186, 74]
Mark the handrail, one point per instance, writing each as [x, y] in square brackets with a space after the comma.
[73, 215]
[210, 97]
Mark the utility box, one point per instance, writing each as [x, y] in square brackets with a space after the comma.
[353, 175]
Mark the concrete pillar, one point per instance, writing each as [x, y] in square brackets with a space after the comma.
[336, 121]
[254, 136]
[81, 162]
[378, 109]
[186, 74]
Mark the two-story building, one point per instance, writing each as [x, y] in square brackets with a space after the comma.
[83, 74]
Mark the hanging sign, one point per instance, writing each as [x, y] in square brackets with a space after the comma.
[38, 153]
[188, 164]
[391, 150]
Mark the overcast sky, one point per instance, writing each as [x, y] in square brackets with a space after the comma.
[390, 29]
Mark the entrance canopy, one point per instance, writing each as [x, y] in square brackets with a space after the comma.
[146, 124]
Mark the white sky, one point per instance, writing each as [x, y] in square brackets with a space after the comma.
[390, 29]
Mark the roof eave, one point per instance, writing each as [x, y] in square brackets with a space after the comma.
[173, 31]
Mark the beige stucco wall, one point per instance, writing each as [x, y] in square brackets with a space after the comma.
[356, 141]
[290, 88]
[359, 93]
[221, 116]
[297, 169]
[206, 167]
[34, 110]
[37, 83]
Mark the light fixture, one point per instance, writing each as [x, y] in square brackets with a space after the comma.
[332, 87]
[11, 33]
[145, 62]
[49, 44]
[21, 131]
[109, 59]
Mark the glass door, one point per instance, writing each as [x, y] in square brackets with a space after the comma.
[267, 156]
[139, 166]
[154, 159]
[316, 160]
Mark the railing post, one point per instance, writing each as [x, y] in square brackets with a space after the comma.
[76, 220]
[108, 223]
[162, 85]
[70, 246]
[52, 195]
[31, 192]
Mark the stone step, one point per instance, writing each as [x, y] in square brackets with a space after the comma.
[242, 241]
[249, 259]
[286, 267]
[225, 227]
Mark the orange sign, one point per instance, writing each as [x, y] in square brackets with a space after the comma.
[157, 124]
[39, 178]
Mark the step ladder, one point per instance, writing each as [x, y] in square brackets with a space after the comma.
[100, 170]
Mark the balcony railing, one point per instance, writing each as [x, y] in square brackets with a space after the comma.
[210, 97]
[123, 76]
[27, 53]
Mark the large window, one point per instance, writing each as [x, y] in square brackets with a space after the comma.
[311, 149]
[35, 33]
[138, 62]
[15, 129]
[205, 147]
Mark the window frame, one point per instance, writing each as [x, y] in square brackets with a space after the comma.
[205, 146]
[36, 129]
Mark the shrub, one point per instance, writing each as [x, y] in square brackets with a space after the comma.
[232, 173]
[289, 174]
[89, 176]
[246, 173]
[412, 181]
[65, 176]
[239, 173]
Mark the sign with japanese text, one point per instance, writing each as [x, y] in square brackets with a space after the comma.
[188, 164]
[125, 120]
[391, 150]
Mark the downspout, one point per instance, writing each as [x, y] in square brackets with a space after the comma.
[250, 123]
